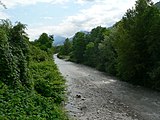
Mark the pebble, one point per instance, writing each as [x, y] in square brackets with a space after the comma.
[111, 102]
[78, 96]
[98, 111]
[83, 99]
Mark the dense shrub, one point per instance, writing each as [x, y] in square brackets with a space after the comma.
[31, 88]
[47, 80]
[20, 104]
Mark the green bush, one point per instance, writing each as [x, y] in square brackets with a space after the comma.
[36, 54]
[47, 80]
[20, 104]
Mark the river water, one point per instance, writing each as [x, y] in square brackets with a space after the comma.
[92, 95]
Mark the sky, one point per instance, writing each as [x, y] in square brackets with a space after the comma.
[64, 17]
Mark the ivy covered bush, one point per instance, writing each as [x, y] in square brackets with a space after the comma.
[31, 87]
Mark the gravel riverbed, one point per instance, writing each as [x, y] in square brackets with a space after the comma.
[92, 95]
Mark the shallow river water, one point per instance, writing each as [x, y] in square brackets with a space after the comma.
[92, 95]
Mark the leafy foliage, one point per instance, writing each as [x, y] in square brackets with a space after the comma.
[78, 47]
[66, 48]
[96, 36]
[21, 104]
[14, 54]
[37, 55]
[30, 85]
[108, 52]
[44, 42]
[89, 54]
[134, 59]
[47, 80]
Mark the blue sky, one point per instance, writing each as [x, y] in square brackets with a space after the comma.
[64, 17]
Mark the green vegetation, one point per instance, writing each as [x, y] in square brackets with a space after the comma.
[78, 47]
[31, 87]
[64, 50]
[129, 50]
[44, 42]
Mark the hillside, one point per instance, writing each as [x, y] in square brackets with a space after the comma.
[58, 40]
[158, 5]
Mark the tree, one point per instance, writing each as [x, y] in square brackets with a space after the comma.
[108, 52]
[89, 54]
[5, 59]
[66, 48]
[20, 50]
[78, 47]
[14, 54]
[134, 31]
[97, 36]
[44, 42]
[153, 50]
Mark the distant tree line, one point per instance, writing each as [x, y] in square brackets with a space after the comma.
[129, 50]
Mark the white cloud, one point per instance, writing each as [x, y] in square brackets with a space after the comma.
[48, 18]
[59, 1]
[34, 32]
[63, 29]
[4, 15]
[85, 1]
[13, 3]
[101, 13]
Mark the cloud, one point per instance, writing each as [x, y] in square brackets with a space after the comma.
[85, 1]
[59, 1]
[63, 29]
[101, 13]
[13, 3]
[47, 18]
[4, 15]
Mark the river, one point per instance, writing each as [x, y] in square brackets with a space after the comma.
[92, 95]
